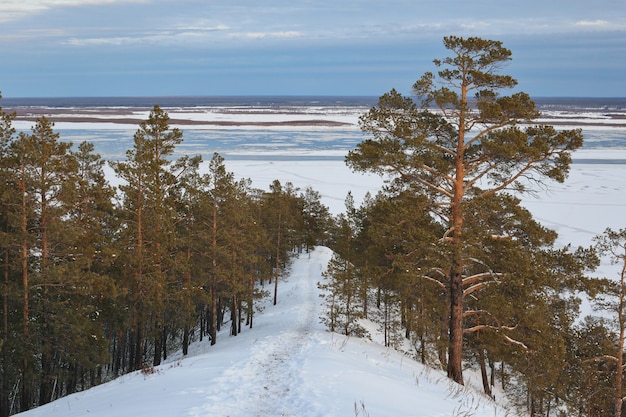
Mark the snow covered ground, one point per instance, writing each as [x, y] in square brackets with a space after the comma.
[286, 365]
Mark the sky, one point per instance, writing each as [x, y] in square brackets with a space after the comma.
[82, 48]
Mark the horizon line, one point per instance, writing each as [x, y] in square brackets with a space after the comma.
[263, 95]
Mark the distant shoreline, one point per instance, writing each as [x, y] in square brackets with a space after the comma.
[185, 122]
[295, 115]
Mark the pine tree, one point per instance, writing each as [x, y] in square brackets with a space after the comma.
[613, 244]
[315, 216]
[342, 285]
[472, 139]
[589, 377]
[44, 177]
[148, 238]
[282, 217]
[91, 224]
[46, 221]
[398, 244]
[521, 317]
[212, 215]
[190, 298]
[223, 249]
[7, 237]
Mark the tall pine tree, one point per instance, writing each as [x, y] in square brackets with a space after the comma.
[472, 138]
[148, 237]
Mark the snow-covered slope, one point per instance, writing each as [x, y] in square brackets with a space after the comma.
[286, 365]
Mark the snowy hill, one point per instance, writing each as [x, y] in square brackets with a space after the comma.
[287, 365]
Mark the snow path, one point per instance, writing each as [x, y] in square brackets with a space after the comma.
[270, 382]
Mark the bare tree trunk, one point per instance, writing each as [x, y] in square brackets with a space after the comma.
[483, 372]
[233, 316]
[444, 333]
[4, 385]
[619, 378]
[185, 340]
[25, 391]
[277, 260]
[213, 325]
[139, 347]
[240, 314]
[156, 360]
[455, 346]
[164, 342]
[250, 299]
[203, 321]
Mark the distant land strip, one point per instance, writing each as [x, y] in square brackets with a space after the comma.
[314, 122]
[187, 122]
[117, 116]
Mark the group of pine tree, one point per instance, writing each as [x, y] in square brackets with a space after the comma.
[102, 280]
[99, 281]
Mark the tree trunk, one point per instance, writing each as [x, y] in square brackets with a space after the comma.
[233, 316]
[213, 324]
[444, 334]
[221, 312]
[386, 322]
[45, 394]
[455, 345]
[203, 321]
[619, 376]
[277, 260]
[250, 299]
[164, 342]
[619, 398]
[156, 360]
[4, 384]
[483, 372]
[25, 392]
[188, 312]
[364, 290]
[139, 347]
[185, 340]
[240, 314]
[117, 351]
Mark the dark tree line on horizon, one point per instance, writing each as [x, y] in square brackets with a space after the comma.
[99, 281]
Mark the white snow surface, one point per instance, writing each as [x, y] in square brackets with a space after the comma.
[286, 365]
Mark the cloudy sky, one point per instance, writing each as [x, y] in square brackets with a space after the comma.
[298, 47]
